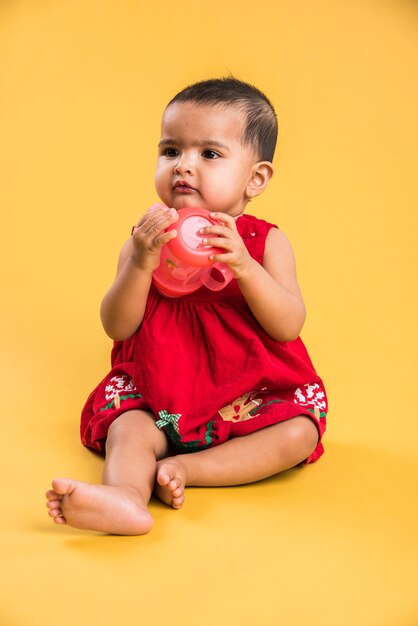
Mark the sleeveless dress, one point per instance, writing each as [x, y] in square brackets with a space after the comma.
[206, 369]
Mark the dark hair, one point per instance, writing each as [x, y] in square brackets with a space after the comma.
[261, 124]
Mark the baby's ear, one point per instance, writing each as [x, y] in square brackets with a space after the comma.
[261, 174]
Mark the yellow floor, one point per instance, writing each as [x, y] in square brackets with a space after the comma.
[333, 543]
[81, 91]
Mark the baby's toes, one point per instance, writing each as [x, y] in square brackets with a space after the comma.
[178, 502]
[53, 495]
[57, 516]
[174, 484]
[163, 479]
[54, 504]
[177, 492]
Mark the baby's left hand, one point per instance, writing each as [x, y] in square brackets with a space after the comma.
[226, 236]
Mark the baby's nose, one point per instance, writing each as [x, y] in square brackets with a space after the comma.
[184, 165]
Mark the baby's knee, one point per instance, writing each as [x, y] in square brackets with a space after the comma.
[129, 422]
[303, 434]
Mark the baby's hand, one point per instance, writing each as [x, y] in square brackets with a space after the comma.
[148, 236]
[226, 236]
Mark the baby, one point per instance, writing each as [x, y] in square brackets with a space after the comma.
[211, 388]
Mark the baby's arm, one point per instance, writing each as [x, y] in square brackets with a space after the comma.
[124, 304]
[271, 290]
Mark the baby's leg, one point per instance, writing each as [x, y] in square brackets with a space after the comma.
[243, 459]
[119, 505]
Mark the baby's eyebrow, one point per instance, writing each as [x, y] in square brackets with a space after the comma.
[212, 142]
[202, 142]
[166, 142]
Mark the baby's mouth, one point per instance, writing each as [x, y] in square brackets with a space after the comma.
[183, 186]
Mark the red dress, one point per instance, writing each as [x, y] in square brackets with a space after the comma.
[206, 369]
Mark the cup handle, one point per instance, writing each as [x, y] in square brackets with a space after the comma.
[217, 276]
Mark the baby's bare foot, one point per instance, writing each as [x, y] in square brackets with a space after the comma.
[170, 482]
[115, 510]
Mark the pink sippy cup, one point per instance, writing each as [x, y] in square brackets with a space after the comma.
[185, 264]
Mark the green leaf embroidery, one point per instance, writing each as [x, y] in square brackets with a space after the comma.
[111, 404]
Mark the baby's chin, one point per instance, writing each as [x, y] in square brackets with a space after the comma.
[187, 201]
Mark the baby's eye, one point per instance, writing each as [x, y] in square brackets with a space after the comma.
[171, 152]
[210, 154]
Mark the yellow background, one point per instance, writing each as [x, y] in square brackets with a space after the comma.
[82, 87]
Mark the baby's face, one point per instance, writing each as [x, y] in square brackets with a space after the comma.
[201, 160]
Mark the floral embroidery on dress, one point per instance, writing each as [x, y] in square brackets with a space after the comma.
[116, 386]
[312, 396]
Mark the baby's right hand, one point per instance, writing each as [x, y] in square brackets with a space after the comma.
[148, 236]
